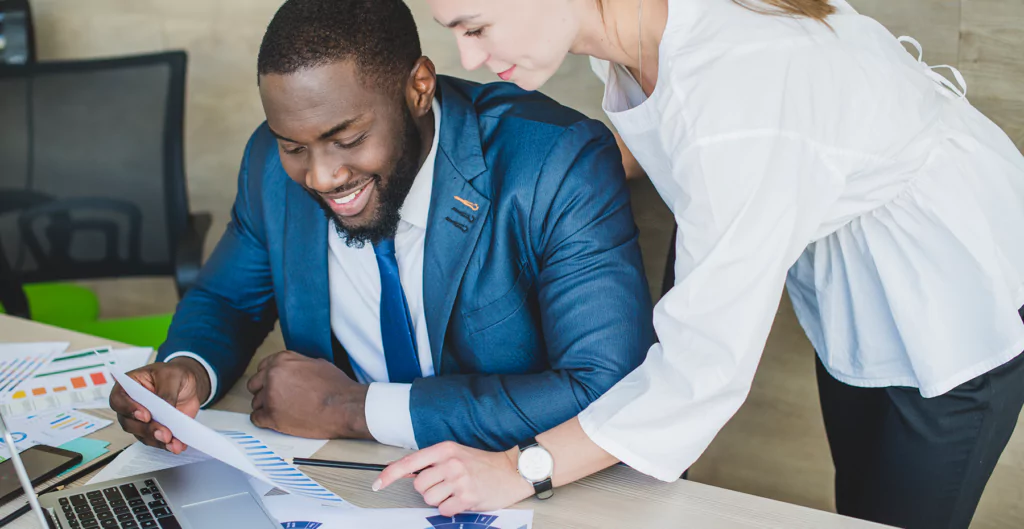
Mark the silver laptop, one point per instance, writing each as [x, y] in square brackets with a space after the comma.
[195, 496]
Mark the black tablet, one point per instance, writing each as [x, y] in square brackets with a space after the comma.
[42, 464]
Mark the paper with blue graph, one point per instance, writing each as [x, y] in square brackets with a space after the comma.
[50, 428]
[281, 474]
[238, 449]
[19, 361]
[40, 378]
[300, 513]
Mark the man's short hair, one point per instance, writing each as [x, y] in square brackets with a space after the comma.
[379, 36]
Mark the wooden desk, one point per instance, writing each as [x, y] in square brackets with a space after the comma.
[616, 498]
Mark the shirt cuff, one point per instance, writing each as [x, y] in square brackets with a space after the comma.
[388, 416]
[209, 371]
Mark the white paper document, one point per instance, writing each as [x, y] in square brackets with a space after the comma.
[131, 358]
[283, 445]
[43, 377]
[50, 428]
[298, 513]
[140, 459]
[18, 361]
[69, 380]
[236, 448]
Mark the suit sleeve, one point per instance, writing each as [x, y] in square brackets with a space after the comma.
[231, 309]
[594, 302]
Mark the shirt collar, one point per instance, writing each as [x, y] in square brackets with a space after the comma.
[416, 207]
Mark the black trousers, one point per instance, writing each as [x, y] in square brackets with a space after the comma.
[912, 462]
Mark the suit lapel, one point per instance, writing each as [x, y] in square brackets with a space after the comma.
[307, 306]
[458, 212]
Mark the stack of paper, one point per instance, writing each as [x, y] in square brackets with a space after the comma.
[41, 386]
[51, 429]
[71, 380]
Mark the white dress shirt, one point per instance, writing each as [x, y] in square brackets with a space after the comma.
[354, 282]
[834, 162]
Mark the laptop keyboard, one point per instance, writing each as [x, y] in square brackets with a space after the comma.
[129, 506]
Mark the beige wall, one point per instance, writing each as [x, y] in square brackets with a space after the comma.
[775, 447]
[982, 37]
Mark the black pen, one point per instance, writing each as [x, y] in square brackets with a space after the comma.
[301, 461]
[62, 484]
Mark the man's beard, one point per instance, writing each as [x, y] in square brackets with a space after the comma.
[384, 223]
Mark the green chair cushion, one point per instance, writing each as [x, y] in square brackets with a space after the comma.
[142, 331]
[60, 304]
[76, 308]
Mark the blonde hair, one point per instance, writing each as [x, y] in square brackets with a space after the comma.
[817, 9]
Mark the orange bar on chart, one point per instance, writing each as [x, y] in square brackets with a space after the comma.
[38, 391]
[78, 382]
[59, 389]
[19, 395]
[98, 379]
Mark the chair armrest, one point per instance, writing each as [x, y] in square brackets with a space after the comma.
[12, 295]
[188, 258]
[13, 298]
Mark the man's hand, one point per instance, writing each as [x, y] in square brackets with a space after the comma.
[182, 382]
[307, 397]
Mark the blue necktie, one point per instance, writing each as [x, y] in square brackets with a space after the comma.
[395, 321]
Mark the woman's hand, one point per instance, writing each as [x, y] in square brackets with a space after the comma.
[455, 478]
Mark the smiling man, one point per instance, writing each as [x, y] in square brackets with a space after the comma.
[448, 260]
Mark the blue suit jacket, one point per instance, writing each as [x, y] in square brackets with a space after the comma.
[536, 301]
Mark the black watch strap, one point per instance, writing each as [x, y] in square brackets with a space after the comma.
[542, 489]
[527, 443]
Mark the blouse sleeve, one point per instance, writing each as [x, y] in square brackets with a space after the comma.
[600, 68]
[749, 205]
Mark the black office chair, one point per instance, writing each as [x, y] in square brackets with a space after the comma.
[17, 41]
[92, 185]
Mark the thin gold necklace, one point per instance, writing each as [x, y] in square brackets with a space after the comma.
[640, 43]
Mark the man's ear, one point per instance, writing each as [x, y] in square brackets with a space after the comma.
[420, 89]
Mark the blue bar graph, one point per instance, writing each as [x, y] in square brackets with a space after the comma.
[284, 476]
[15, 372]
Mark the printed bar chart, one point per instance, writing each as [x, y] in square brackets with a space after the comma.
[79, 379]
[64, 421]
[51, 428]
[19, 361]
[282, 474]
[96, 378]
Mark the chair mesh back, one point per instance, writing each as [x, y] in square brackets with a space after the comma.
[91, 179]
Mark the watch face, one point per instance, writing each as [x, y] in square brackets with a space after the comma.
[535, 464]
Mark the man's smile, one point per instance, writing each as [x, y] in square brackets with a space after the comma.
[351, 202]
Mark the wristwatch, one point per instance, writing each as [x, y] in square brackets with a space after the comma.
[536, 466]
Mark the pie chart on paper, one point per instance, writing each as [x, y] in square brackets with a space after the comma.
[17, 436]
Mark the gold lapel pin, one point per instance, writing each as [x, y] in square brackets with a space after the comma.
[467, 203]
